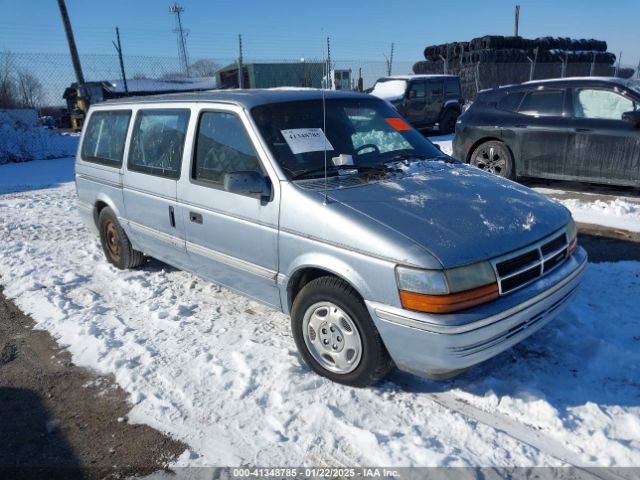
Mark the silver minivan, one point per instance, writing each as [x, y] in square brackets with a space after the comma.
[329, 207]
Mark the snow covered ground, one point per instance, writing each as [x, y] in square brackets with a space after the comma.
[619, 213]
[221, 372]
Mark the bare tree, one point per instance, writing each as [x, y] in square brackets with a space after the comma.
[203, 68]
[7, 85]
[30, 91]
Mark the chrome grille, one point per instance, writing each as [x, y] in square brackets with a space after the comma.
[528, 264]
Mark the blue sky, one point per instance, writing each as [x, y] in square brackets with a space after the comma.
[293, 29]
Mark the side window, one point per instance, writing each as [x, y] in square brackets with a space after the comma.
[417, 90]
[104, 137]
[511, 101]
[223, 146]
[452, 87]
[157, 142]
[543, 103]
[434, 89]
[596, 103]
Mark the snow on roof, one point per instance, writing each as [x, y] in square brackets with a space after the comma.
[151, 85]
[410, 77]
[390, 89]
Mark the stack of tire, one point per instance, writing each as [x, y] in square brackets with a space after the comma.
[495, 60]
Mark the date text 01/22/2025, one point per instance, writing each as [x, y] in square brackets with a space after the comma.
[313, 472]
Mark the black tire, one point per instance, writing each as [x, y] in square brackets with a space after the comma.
[447, 124]
[115, 243]
[374, 362]
[494, 157]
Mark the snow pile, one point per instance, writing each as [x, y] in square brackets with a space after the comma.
[221, 372]
[616, 213]
[20, 142]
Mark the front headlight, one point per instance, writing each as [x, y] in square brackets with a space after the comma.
[443, 291]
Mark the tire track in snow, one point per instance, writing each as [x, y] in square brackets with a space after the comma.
[523, 433]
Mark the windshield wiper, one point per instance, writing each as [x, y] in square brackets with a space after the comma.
[416, 156]
[336, 169]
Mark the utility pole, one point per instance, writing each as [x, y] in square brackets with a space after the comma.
[118, 48]
[389, 62]
[75, 58]
[240, 65]
[517, 20]
[618, 65]
[181, 33]
[330, 82]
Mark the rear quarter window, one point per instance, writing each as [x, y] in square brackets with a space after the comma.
[105, 136]
[543, 103]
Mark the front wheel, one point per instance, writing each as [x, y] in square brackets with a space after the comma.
[494, 157]
[335, 334]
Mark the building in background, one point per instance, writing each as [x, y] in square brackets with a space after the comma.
[269, 75]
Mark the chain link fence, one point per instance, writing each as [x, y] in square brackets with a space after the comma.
[50, 74]
[37, 80]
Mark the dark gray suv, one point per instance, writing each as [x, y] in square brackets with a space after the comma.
[425, 100]
[584, 129]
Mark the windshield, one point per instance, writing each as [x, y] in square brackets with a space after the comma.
[360, 134]
[389, 89]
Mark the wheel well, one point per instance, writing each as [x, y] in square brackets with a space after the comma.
[100, 205]
[304, 276]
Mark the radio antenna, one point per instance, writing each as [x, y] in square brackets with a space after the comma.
[324, 116]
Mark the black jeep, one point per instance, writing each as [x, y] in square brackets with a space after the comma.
[426, 101]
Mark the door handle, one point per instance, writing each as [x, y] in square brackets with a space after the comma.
[195, 217]
[172, 217]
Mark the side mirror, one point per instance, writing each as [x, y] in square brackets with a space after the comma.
[437, 145]
[251, 184]
[632, 118]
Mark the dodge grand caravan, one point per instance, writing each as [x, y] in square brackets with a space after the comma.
[330, 207]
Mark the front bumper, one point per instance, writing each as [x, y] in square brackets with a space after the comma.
[432, 344]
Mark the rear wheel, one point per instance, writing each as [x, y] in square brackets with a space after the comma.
[115, 243]
[494, 157]
[335, 334]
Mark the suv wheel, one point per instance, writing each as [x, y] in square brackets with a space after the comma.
[494, 157]
[448, 122]
[115, 243]
[335, 334]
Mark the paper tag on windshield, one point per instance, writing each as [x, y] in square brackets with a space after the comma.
[303, 140]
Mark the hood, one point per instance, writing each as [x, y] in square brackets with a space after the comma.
[456, 212]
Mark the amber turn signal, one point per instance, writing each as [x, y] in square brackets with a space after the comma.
[448, 303]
